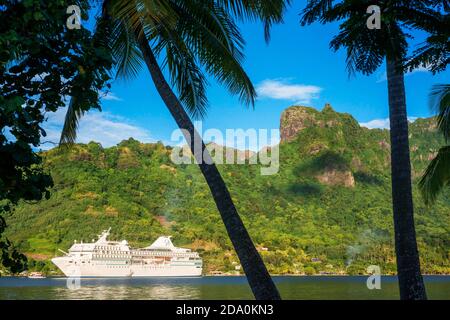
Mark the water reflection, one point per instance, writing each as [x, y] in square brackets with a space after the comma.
[122, 292]
[131, 289]
[209, 288]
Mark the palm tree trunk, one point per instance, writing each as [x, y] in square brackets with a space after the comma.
[258, 277]
[408, 264]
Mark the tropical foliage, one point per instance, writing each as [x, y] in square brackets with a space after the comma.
[434, 54]
[40, 64]
[298, 224]
[367, 49]
[437, 174]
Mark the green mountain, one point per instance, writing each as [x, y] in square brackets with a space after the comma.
[328, 210]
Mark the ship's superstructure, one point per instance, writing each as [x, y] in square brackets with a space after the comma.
[104, 258]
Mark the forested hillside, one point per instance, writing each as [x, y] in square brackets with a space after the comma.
[328, 210]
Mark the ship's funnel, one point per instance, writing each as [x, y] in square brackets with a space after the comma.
[162, 243]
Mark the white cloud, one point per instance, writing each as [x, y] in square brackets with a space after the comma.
[281, 89]
[102, 127]
[382, 77]
[376, 124]
[381, 123]
[419, 69]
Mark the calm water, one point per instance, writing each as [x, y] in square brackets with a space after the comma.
[438, 287]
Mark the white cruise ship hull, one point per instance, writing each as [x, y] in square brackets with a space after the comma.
[114, 259]
[123, 271]
[172, 271]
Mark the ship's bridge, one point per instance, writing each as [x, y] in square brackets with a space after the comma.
[101, 244]
[79, 247]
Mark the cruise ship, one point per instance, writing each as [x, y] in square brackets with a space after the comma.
[104, 258]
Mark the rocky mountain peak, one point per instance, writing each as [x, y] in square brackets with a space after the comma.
[298, 118]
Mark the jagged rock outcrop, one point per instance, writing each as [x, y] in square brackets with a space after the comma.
[297, 118]
[329, 164]
[335, 177]
[293, 120]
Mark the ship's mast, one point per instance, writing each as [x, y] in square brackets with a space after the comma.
[104, 235]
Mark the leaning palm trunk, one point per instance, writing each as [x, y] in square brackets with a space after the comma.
[408, 264]
[258, 277]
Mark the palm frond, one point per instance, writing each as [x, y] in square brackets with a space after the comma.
[147, 12]
[440, 103]
[434, 53]
[441, 4]
[315, 10]
[195, 36]
[360, 57]
[81, 94]
[211, 34]
[270, 12]
[73, 115]
[185, 75]
[436, 176]
[127, 57]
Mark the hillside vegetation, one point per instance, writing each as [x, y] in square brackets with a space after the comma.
[328, 210]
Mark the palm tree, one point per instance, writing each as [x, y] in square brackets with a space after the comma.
[366, 51]
[437, 174]
[434, 53]
[192, 35]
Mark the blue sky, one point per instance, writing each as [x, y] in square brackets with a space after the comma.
[296, 67]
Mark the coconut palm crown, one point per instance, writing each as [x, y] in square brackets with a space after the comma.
[191, 38]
